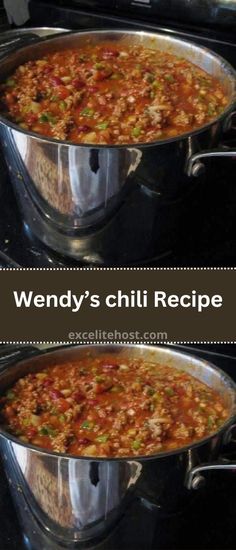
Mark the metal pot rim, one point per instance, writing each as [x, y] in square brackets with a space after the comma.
[145, 145]
[35, 29]
[133, 458]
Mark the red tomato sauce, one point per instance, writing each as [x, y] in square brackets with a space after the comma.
[107, 408]
[111, 94]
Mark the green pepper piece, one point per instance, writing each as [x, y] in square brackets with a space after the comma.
[136, 131]
[156, 84]
[115, 76]
[99, 379]
[170, 391]
[26, 422]
[116, 389]
[102, 438]
[103, 125]
[136, 444]
[169, 77]
[87, 425]
[47, 430]
[43, 117]
[10, 395]
[150, 391]
[98, 66]
[10, 82]
[149, 77]
[210, 422]
[62, 105]
[210, 111]
[87, 112]
[48, 117]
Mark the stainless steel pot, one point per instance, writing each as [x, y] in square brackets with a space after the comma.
[67, 191]
[77, 499]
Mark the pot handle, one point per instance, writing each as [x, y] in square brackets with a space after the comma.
[195, 479]
[11, 43]
[10, 353]
[195, 166]
[195, 476]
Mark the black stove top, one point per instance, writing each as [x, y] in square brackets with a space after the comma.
[205, 234]
[208, 522]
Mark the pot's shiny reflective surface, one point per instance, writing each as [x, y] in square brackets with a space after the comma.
[67, 191]
[73, 499]
[77, 499]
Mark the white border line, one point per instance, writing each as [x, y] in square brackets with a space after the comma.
[118, 269]
[123, 342]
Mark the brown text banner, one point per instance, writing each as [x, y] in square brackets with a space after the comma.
[117, 305]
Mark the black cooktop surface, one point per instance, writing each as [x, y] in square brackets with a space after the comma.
[206, 232]
[208, 521]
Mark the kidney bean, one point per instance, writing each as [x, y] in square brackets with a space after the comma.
[55, 394]
[47, 382]
[56, 81]
[109, 53]
[83, 441]
[110, 366]
[77, 83]
[47, 69]
[77, 396]
[92, 89]
[92, 402]
[83, 128]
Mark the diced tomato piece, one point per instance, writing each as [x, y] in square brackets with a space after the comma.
[31, 118]
[102, 75]
[63, 405]
[10, 99]
[62, 92]
[100, 388]
[9, 412]
[31, 432]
